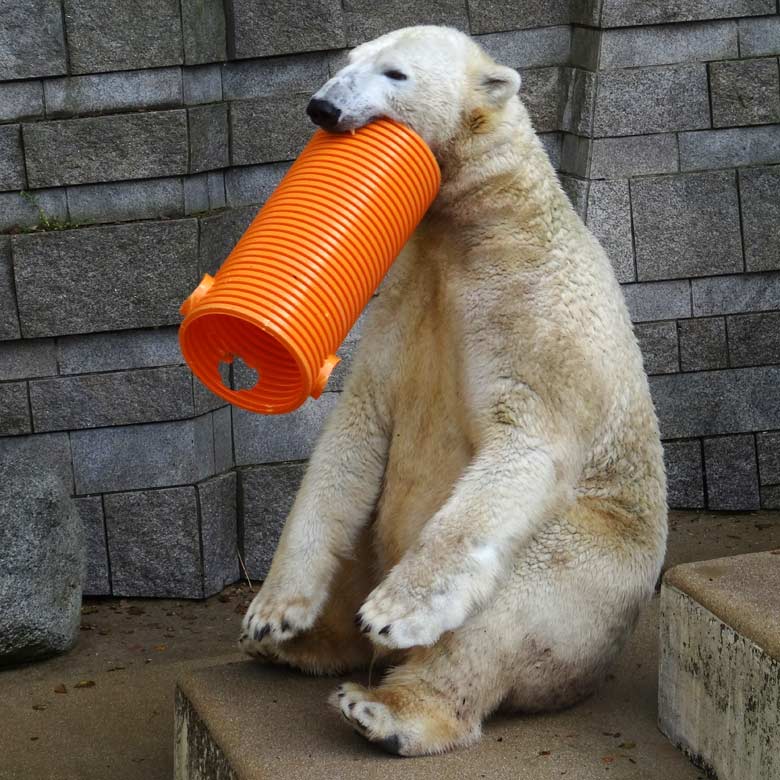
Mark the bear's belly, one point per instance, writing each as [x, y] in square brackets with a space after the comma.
[430, 447]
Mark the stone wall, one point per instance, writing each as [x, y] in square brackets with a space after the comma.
[137, 141]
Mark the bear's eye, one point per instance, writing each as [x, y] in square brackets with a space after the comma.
[395, 75]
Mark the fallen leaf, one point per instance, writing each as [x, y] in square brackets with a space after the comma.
[39, 707]
[161, 648]
[85, 684]
[60, 689]
[544, 753]
[627, 745]
[608, 759]
[33, 739]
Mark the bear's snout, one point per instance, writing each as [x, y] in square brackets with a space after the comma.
[323, 113]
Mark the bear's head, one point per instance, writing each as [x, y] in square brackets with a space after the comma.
[436, 80]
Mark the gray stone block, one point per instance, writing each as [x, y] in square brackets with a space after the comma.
[116, 35]
[627, 100]
[223, 439]
[658, 300]
[758, 194]
[281, 27]
[196, 194]
[577, 191]
[575, 153]
[203, 26]
[622, 13]
[110, 92]
[729, 148]
[733, 294]
[298, 73]
[578, 91]
[365, 20]
[43, 565]
[116, 398]
[27, 359]
[703, 344]
[686, 225]
[126, 200]
[32, 43]
[658, 342]
[219, 234]
[153, 543]
[552, 146]
[11, 159]
[123, 146]
[32, 209]
[269, 129]
[97, 582]
[754, 339]
[205, 400]
[267, 495]
[43, 453]
[9, 319]
[219, 532]
[745, 93]
[495, 15]
[202, 84]
[216, 186]
[585, 47]
[136, 457]
[253, 184]
[20, 100]
[668, 44]
[758, 37]
[586, 12]
[115, 351]
[541, 93]
[528, 48]
[609, 218]
[208, 137]
[770, 497]
[146, 270]
[684, 474]
[732, 473]
[768, 450]
[273, 438]
[14, 409]
[710, 403]
[633, 155]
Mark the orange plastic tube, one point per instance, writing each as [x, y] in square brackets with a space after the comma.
[295, 283]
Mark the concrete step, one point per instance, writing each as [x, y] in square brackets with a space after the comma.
[245, 721]
[719, 697]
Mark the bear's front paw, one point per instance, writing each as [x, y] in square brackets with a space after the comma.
[274, 616]
[398, 615]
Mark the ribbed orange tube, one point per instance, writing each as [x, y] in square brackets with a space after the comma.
[297, 280]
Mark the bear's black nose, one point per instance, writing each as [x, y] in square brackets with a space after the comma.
[323, 113]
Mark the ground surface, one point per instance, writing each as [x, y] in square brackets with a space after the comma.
[115, 716]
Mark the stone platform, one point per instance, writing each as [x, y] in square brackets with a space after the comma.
[719, 697]
[244, 721]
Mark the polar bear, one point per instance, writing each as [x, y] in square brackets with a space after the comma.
[485, 510]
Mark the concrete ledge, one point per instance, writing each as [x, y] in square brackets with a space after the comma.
[719, 679]
[245, 721]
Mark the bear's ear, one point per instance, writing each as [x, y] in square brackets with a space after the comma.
[499, 84]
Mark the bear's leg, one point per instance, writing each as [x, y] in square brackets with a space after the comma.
[334, 644]
[437, 699]
[555, 626]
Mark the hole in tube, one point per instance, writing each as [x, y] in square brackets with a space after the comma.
[244, 376]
